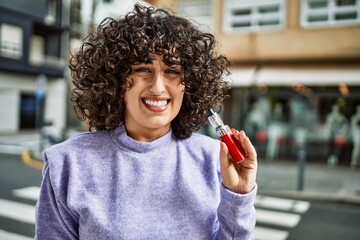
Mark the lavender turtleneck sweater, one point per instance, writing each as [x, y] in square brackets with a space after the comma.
[106, 185]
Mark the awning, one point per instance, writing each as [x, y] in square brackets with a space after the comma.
[288, 75]
[241, 76]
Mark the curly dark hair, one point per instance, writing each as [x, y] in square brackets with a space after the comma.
[101, 66]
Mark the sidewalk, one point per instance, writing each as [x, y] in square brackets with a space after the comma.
[321, 182]
[17, 143]
[275, 177]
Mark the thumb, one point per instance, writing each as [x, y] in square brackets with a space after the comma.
[224, 157]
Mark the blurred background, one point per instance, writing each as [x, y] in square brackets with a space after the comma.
[295, 90]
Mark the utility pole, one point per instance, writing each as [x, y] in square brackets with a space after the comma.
[301, 156]
[92, 16]
[300, 136]
[40, 106]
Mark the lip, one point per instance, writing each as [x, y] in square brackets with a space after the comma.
[153, 108]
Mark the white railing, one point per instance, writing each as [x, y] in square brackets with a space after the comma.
[11, 49]
[45, 60]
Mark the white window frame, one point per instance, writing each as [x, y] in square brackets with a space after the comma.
[11, 41]
[329, 12]
[198, 11]
[38, 57]
[252, 21]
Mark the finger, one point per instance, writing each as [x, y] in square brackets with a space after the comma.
[228, 170]
[224, 157]
[239, 135]
[246, 144]
[250, 149]
[251, 155]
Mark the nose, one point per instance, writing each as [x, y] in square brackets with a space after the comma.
[157, 84]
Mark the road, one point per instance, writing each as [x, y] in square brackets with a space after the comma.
[329, 221]
[277, 218]
[16, 211]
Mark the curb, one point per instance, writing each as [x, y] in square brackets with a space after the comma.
[29, 161]
[343, 196]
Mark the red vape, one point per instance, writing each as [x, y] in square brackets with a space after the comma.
[226, 135]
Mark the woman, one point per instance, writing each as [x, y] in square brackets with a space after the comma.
[144, 83]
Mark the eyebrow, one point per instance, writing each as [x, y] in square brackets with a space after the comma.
[152, 61]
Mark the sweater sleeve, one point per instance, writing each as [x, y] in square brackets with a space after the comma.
[53, 218]
[236, 215]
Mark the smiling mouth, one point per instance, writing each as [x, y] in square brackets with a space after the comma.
[156, 103]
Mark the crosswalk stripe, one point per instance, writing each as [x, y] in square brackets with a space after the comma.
[9, 149]
[4, 235]
[277, 218]
[26, 213]
[17, 211]
[31, 192]
[282, 204]
[262, 233]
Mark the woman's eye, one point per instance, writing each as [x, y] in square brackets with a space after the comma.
[172, 71]
[142, 70]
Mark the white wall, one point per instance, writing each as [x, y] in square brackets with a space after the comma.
[56, 102]
[11, 87]
[114, 9]
[9, 110]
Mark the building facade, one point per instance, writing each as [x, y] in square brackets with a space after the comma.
[295, 79]
[34, 39]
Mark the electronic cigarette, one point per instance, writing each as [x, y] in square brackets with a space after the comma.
[227, 136]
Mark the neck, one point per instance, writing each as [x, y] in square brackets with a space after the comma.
[146, 135]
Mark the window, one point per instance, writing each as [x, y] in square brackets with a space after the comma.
[196, 10]
[37, 50]
[329, 13]
[38, 55]
[253, 15]
[11, 38]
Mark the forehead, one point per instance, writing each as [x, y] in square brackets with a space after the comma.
[153, 57]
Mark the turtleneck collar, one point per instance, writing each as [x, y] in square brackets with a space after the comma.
[124, 141]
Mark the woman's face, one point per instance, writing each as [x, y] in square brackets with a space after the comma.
[154, 99]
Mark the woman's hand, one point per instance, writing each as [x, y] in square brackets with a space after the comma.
[240, 177]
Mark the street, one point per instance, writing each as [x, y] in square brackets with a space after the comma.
[326, 221]
[16, 210]
[277, 218]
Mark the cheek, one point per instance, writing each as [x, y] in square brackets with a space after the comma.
[179, 99]
[129, 96]
[179, 92]
[180, 89]
[126, 97]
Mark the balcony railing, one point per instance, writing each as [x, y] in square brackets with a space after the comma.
[11, 50]
[48, 61]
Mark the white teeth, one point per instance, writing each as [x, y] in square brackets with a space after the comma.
[157, 104]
